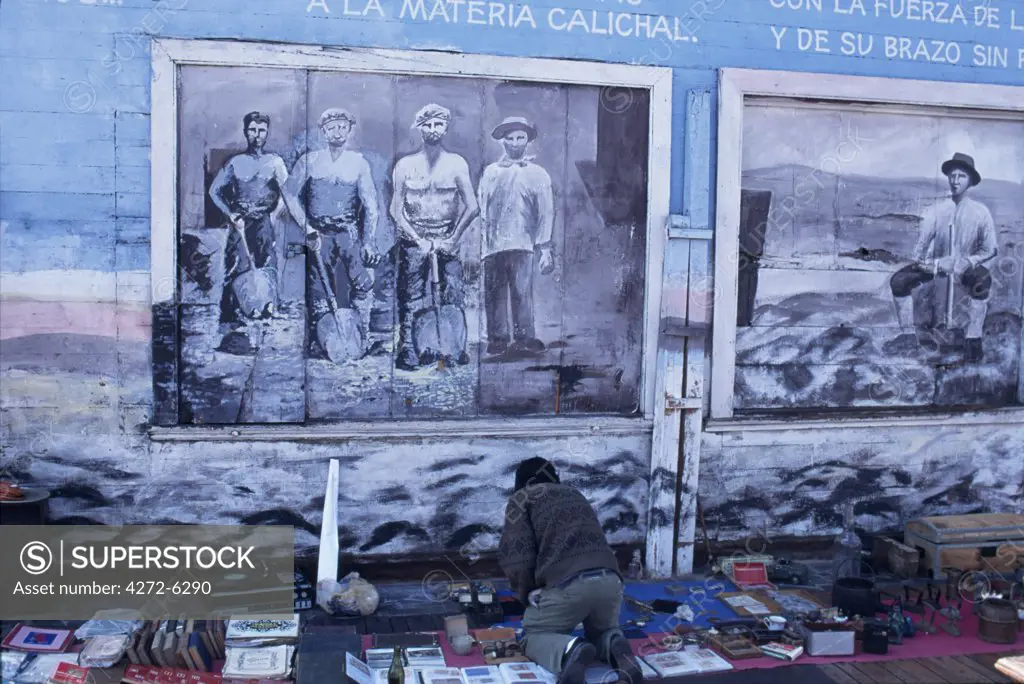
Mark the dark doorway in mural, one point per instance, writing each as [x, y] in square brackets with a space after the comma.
[880, 260]
[369, 246]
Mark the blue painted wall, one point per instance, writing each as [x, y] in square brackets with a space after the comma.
[74, 198]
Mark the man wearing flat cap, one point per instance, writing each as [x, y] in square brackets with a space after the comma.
[518, 212]
[432, 206]
[330, 193]
[958, 237]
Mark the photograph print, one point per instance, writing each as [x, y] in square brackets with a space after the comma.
[356, 245]
[880, 259]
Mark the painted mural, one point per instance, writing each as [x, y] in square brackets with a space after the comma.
[881, 259]
[368, 246]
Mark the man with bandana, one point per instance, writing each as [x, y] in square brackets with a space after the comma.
[248, 190]
[517, 211]
[330, 193]
[432, 206]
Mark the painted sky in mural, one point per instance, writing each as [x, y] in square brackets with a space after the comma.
[854, 225]
[472, 247]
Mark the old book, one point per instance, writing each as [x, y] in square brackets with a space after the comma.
[199, 656]
[156, 646]
[321, 658]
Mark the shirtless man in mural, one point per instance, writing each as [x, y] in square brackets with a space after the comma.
[247, 190]
[432, 206]
[330, 192]
[958, 237]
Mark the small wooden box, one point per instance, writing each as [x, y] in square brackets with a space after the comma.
[903, 560]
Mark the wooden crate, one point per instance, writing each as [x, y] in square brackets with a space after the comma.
[989, 542]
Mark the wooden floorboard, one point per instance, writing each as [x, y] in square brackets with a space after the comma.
[942, 672]
[962, 670]
[982, 671]
[864, 672]
[837, 675]
[912, 672]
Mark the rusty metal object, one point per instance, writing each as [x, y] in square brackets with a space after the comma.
[997, 621]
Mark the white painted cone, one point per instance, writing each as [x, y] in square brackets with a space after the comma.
[328, 562]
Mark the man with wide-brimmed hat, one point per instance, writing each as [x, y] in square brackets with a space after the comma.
[957, 237]
[517, 210]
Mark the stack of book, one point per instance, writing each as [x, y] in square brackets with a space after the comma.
[182, 644]
[261, 647]
[782, 651]
[142, 674]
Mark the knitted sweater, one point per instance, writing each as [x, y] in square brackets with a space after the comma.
[551, 533]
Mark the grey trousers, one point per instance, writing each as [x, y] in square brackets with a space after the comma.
[547, 629]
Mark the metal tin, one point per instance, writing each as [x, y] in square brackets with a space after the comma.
[997, 621]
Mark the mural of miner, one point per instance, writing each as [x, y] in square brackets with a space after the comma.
[330, 192]
[247, 190]
[432, 206]
[957, 237]
[518, 213]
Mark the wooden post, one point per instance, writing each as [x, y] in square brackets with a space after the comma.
[697, 202]
[678, 403]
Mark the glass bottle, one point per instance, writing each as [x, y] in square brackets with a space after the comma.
[636, 567]
[846, 550]
[396, 673]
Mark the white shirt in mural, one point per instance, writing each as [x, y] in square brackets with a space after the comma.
[974, 232]
[516, 206]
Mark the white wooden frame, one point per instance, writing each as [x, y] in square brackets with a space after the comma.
[169, 54]
[734, 86]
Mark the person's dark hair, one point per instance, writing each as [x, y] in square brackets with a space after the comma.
[254, 116]
[535, 470]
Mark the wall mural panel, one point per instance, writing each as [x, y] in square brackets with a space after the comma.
[847, 221]
[369, 246]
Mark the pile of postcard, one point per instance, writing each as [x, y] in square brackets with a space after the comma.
[505, 673]
[261, 647]
[667, 664]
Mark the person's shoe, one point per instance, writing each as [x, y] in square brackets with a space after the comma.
[429, 357]
[532, 345]
[974, 352]
[621, 659]
[575, 662]
[497, 347]
[463, 359]
[407, 360]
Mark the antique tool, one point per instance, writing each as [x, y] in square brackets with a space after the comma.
[953, 576]
[928, 627]
[913, 607]
[952, 616]
[638, 605]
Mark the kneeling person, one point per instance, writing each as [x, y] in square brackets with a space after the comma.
[558, 561]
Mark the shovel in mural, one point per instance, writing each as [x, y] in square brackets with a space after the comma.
[337, 330]
[254, 287]
[439, 331]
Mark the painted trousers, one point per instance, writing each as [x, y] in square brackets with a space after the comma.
[348, 278]
[509, 276]
[259, 235]
[413, 288]
[547, 628]
[976, 279]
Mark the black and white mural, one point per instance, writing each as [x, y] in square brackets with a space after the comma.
[369, 246]
[880, 263]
